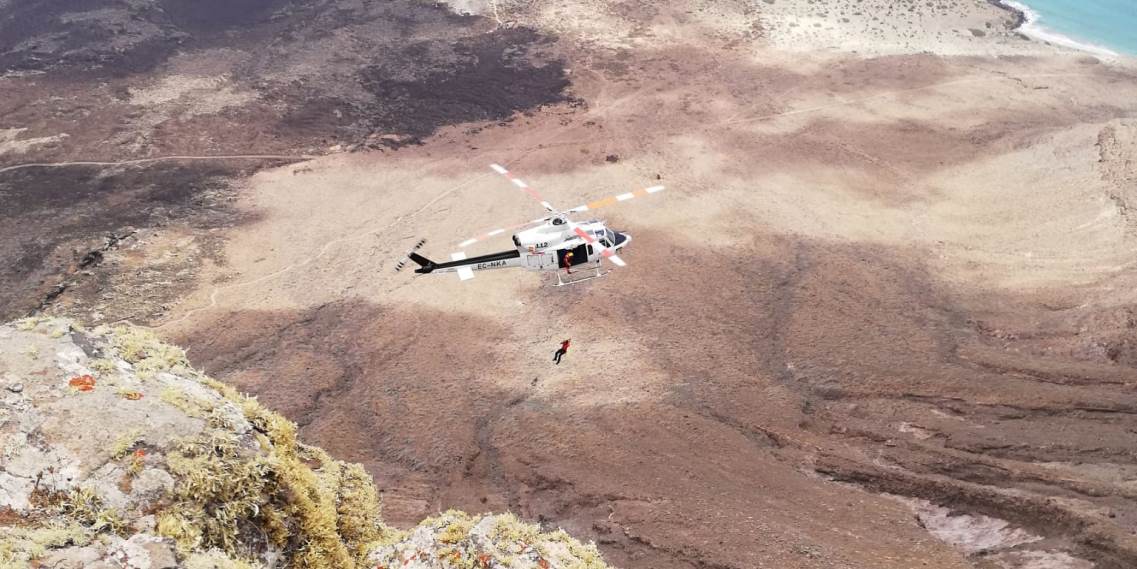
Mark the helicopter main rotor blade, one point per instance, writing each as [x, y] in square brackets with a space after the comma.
[524, 187]
[499, 231]
[611, 200]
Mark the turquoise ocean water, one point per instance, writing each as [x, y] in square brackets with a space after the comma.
[1111, 24]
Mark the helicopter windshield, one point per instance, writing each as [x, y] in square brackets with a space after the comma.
[607, 238]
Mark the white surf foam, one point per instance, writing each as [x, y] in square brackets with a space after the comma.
[1032, 28]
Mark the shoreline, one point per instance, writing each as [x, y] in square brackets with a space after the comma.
[1026, 23]
[1020, 16]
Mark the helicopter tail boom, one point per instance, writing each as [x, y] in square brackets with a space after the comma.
[425, 265]
[480, 263]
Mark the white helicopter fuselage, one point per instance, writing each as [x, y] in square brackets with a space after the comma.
[543, 248]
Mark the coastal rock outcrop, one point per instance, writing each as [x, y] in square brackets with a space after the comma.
[115, 452]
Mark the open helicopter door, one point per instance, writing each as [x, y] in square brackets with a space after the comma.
[580, 256]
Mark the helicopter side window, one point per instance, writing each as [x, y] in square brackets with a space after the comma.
[590, 250]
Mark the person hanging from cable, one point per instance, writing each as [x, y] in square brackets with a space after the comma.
[561, 352]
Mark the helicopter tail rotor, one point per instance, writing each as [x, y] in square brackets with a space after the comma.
[411, 256]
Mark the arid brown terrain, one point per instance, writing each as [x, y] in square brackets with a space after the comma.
[882, 317]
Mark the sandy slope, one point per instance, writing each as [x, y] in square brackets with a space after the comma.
[911, 272]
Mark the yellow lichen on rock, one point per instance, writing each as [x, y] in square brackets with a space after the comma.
[216, 559]
[102, 366]
[149, 355]
[361, 531]
[456, 540]
[27, 324]
[325, 517]
[71, 519]
[86, 508]
[125, 443]
[20, 546]
[456, 527]
[218, 486]
[186, 403]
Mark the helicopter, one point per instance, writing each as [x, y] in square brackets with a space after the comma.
[549, 243]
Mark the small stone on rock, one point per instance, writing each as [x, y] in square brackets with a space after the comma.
[16, 387]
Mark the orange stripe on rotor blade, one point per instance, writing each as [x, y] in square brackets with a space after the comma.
[640, 193]
[602, 203]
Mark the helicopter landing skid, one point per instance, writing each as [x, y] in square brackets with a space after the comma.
[562, 282]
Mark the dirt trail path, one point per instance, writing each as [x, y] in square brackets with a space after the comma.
[156, 159]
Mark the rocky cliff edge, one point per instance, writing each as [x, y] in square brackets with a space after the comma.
[116, 453]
